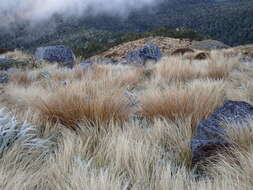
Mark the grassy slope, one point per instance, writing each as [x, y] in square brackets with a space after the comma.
[123, 127]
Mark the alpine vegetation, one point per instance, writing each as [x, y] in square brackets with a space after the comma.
[171, 123]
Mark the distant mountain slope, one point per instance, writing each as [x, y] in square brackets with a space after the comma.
[229, 21]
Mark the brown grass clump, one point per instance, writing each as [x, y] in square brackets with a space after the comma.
[20, 78]
[217, 71]
[240, 134]
[83, 101]
[237, 166]
[174, 137]
[197, 101]
[182, 51]
[177, 70]
[119, 75]
[78, 73]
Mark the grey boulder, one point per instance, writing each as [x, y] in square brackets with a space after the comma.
[210, 135]
[142, 55]
[60, 54]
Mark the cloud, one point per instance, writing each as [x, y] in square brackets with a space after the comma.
[36, 10]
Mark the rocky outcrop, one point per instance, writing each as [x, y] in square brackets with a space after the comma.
[142, 55]
[210, 135]
[59, 54]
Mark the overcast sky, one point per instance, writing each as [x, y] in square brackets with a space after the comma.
[35, 10]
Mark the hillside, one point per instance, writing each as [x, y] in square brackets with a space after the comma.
[225, 20]
[167, 46]
[178, 123]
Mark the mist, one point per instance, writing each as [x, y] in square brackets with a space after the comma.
[39, 10]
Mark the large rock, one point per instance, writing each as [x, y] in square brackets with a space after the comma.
[210, 135]
[59, 54]
[142, 55]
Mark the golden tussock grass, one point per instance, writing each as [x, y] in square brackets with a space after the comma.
[114, 144]
[240, 134]
[217, 70]
[20, 78]
[196, 100]
[83, 101]
[176, 70]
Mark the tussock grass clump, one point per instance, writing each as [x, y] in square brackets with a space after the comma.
[22, 153]
[218, 70]
[236, 168]
[82, 101]
[174, 69]
[196, 100]
[173, 137]
[120, 75]
[241, 134]
[20, 78]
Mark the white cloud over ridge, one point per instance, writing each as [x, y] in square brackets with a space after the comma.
[35, 10]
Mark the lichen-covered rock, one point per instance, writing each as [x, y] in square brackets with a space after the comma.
[210, 135]
[59, 54]
[142, 55]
